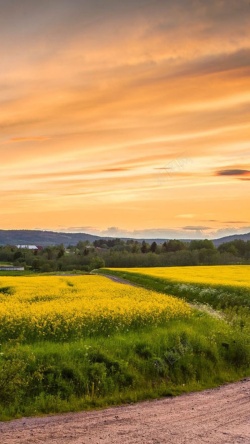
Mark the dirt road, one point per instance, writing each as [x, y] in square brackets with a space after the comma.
[218, 416]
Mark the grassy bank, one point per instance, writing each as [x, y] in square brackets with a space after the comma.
[185, 355]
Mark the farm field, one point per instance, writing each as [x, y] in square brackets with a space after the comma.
[77, 342]
[226, 275]
[225, 288]
[62, 308]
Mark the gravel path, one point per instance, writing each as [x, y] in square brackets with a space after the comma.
[217, 416]
[119, 280]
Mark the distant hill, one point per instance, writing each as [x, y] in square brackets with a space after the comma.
[217, 242]
[45, 238]
[223, 240]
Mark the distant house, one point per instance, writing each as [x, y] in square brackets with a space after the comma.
[28, 247]
[10, 268]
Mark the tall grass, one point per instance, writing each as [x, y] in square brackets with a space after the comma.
[185, 355]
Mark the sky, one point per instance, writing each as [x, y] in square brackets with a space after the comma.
[125, 118]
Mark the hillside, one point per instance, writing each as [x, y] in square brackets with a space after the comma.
[222, 240]
[45, 238]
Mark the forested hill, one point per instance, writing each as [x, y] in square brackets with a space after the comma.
[43, 238]
[222, 240]
[47, 238]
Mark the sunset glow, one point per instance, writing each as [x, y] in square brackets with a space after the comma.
[126, 118]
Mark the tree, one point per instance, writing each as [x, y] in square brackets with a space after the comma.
[96, 262]
[200, 244]
[153, 247]
[61, 251]
[173, 245]
[144, 247]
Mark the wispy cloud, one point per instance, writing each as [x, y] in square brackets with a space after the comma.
[235, 222]
[233, 172]
[157, 233]
[196, 228]
[28, 139]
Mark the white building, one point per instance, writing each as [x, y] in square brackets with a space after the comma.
[27, 247]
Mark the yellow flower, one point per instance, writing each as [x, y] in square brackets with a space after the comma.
[61, 308]
[229, 275]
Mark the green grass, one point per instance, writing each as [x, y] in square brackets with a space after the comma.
[16, 273]
[183, 356]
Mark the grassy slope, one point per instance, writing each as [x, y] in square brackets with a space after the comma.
[185, 355]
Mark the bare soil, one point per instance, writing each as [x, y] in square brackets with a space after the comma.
[120, 280]
[218, 416]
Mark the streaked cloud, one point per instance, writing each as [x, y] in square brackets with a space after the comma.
[157, 233]
[235, 222]
[233, 172]
[196, 228]
[28, 139]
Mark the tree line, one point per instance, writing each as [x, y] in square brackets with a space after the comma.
[86, 256]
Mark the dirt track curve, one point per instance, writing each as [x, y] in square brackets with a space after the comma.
[218, 416]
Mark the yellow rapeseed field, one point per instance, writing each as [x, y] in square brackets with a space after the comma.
[61, 308]
[233, 275]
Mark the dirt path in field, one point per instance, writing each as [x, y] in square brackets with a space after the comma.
[119, 280]
[218, 416]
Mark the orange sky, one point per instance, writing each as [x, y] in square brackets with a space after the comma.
[126, 118]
